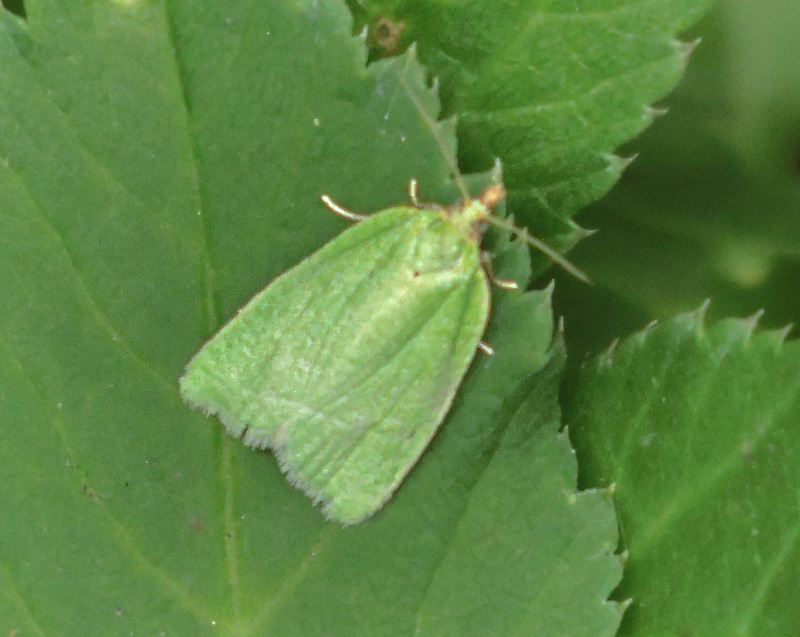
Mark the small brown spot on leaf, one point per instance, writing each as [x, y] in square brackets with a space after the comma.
[384, 37]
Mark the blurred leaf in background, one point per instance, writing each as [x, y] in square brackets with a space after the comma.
[711, 206]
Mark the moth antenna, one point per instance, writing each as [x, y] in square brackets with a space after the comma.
[413, 193]
[540, 245]
[486, 348]
[339, 210]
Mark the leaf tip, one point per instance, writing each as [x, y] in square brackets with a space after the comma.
[778, 336]
[627, 161]
[685, 49]
[646, 331]
[616, 165]
[696, 319]
[751, 324]
[559, 331]
[783, 332]
[606, 359]
[652, 113]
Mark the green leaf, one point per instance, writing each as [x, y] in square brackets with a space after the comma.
[524, 490]
[159, 163]
[552, 88]
[697, 428]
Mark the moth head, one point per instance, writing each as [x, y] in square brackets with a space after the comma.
[473, 216]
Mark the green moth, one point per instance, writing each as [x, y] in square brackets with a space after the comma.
[346, 364]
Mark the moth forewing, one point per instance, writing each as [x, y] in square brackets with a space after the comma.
[385, 395]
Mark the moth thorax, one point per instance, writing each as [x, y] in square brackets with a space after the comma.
[470, 219]
[442, 248]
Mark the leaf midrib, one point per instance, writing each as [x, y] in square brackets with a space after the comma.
[230, 538]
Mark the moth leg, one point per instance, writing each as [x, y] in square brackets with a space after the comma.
[503, 284]
[341, 211]
[486, 348]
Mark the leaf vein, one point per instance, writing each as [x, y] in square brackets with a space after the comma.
[230, 537]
